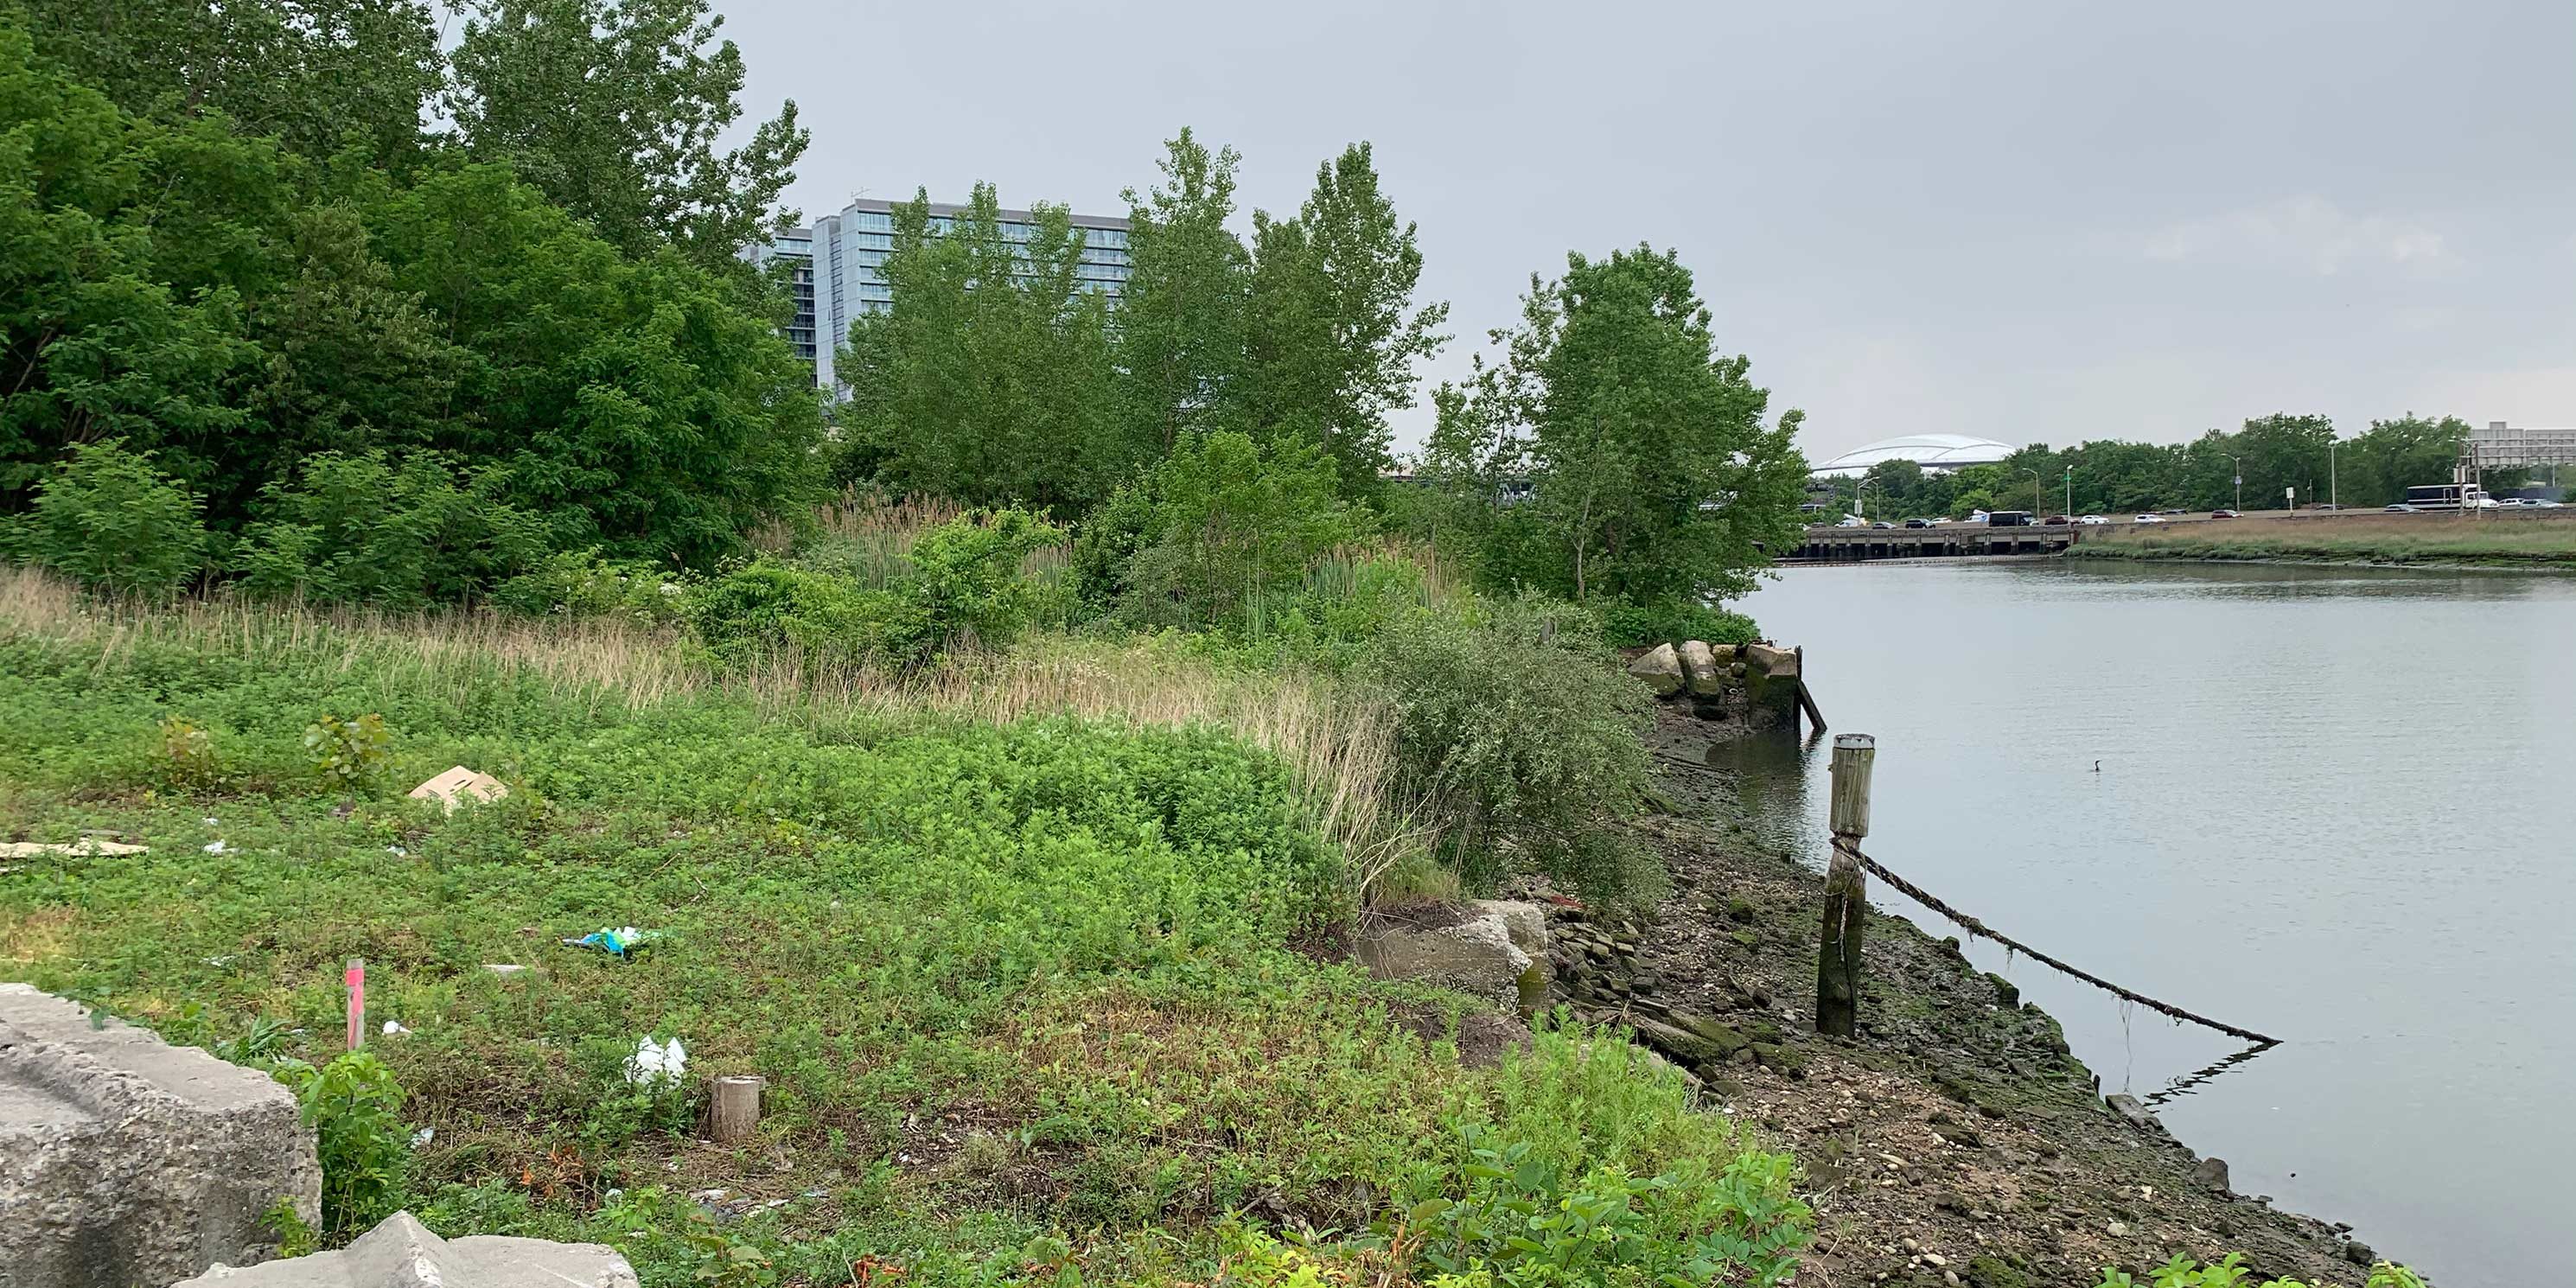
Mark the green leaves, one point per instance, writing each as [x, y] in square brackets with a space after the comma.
[1648, 469]
[355, 1105]
[109, 519]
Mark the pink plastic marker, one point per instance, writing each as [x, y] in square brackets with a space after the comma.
[356, 977]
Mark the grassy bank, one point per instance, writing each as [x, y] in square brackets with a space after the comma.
[1012, 945]
[2400, 539]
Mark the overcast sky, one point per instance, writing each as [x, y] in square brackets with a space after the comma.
[2040, 222]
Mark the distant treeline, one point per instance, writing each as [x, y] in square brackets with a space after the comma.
[2272, 453]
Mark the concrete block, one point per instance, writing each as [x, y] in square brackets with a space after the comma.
[402, 1253]
[125, 1160]
[1778, 663]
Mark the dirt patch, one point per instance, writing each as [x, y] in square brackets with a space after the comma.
[1956, 1140]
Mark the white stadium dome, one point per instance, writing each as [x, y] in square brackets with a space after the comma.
[1931, 451]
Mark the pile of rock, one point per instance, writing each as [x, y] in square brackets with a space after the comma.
[1755, 684]
[1601, 970]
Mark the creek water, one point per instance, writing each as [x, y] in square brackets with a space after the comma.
[2333, 805]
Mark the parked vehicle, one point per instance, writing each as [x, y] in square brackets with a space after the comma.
[2225, 514]
[2148, 518]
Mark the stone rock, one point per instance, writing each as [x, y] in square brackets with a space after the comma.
[1780, 1059]
[2210, 1173]
[1686, 1047]
[460, 786]
[402, 1253]
[1724, 655]
[2359, 1253]
[1778, 663]
[2006, 992]
[1700, 668]
[2129, 1108]
[124, 1160]
[1661, 668]
[1720, 1036]
[1461, 948]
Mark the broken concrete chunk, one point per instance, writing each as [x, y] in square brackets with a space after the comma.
[402, 1253]
[1699, 664]
[460, 786]
[1779, 663]
[1464, 948]
[84, 848]
[1661, 668]
[124, 1160]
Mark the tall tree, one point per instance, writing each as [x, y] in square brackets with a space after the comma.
[1335, 333]
[1651, 474]
[1182, 313]
[989, 379]
[2381, 462]
[321, 75]
[614, 109]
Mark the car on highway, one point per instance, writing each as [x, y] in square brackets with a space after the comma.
[2169, 512]
[2092, 521]
[2057, 520]
[1918, 523]
[1852, 521]
[2148, 518]
[2225, 514]
[1882, 525]
[2402, 508]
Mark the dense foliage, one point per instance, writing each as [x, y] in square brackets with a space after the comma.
[1612, 453]
[279, 335]
[2271, 455]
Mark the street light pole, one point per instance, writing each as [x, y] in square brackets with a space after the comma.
[2334, 488]
[2036, 505]
[2070, 491]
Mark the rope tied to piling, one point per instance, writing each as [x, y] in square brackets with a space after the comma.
[1983, 931]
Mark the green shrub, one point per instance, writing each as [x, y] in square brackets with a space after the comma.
[2183, 1272]
[349, 752]
[1627, 625]
[581, 584]
[1520, 1221]
[968, 580]
[359, 529]
[356, 1108]
[187, 754]
[770, 611]
[965, 584]
[1224, 522]
[1515, 723]
[106, 518]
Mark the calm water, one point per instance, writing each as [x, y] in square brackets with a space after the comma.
[2336, 806]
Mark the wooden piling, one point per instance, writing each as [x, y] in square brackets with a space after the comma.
[734, 1110]
[1838, 941]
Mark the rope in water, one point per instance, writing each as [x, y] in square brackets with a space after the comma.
[1983, 931]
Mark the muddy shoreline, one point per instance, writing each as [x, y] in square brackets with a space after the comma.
[1956, 1140]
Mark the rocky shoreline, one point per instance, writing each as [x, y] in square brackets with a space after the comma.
[1956, 1140]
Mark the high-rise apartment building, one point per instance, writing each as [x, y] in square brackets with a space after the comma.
[840, 273]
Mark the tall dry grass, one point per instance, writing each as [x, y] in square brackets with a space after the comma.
[1337, 742]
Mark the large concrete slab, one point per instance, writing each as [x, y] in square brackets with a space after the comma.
[402, 1253]
[125, 1160]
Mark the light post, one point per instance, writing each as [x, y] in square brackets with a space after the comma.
[2036, 505]
[2070, 491]
[2334, 489]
